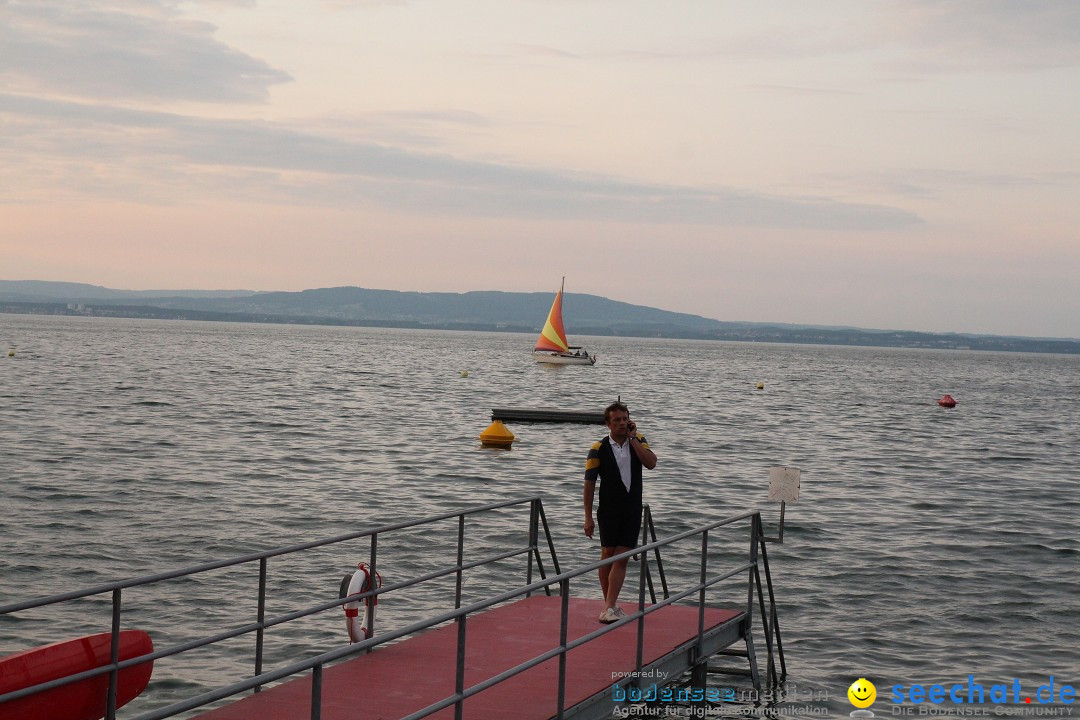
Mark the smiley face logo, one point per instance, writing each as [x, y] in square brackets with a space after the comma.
[862, 693]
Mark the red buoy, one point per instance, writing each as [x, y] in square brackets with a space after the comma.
[947, 401]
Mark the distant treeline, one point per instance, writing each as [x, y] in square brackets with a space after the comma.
[653, 328]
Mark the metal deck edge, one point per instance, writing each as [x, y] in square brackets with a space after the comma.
[673, 665]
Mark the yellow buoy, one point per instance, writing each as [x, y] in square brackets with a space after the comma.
[11, 353]
[464, 373]
[496, 435]
[761, 386]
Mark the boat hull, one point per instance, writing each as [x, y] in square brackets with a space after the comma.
[83, 699]
[557, 358]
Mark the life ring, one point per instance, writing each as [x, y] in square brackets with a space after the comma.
[354, 584]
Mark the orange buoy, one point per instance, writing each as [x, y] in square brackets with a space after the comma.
[496, 435]
[947, 401]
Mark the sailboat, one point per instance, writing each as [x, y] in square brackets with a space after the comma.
[552, 347]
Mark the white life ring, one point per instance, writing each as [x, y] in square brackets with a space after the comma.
[354, 584]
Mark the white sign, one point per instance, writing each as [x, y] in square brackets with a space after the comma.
[784, 484]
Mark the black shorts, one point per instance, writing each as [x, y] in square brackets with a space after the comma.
[619, 528]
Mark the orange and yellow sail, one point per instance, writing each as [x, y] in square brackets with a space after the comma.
[553, 336]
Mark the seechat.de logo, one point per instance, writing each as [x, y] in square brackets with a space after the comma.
[862, 694]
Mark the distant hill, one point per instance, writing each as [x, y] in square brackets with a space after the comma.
[46, 291]
[476, 310]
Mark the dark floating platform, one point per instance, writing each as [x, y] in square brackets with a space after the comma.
[586, 417]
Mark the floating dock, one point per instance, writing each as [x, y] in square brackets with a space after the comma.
[553, 415]
[532, 652]
[398, 680]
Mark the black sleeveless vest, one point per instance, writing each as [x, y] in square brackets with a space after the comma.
[613, 494]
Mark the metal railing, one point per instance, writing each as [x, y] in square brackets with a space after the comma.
[459, 615]
[537, 519]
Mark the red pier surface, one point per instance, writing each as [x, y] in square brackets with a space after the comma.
[396, 680]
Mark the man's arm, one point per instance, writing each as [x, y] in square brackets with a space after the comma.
[590, 486]
[644, 454]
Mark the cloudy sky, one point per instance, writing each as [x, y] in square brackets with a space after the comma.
[908, 164]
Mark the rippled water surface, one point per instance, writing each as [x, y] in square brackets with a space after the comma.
[929, 544]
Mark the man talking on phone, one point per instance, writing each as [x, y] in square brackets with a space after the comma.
[616, 460]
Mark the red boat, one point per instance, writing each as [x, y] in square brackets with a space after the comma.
[81, 700]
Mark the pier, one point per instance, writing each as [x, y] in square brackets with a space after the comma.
[535, 650]
[419, 674]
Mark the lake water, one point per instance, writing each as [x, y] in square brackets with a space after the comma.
[928, 545]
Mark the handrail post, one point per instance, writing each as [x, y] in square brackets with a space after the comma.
[372, 568]
[260, 618]
[701, 593]
[643, 557]
[774, 621]
[755, 540]
[114, 657]
[460, 559]
[767, 618]
[755, 521]
[534, 523]
[766, 626]
[564, 620]
[550, 542]
[316, 692]
[642, 568]
[459, 681]
[700, 662]
[541, 518]
[656, 551]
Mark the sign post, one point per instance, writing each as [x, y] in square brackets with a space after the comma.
[784, 485]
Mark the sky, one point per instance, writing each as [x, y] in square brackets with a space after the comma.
[908, 164]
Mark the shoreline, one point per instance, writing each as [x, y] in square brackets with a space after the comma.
[772, 334]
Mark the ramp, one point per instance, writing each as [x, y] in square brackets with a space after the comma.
[397, 680]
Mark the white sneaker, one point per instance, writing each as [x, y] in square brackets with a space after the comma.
[608, 616]
[618, 612]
